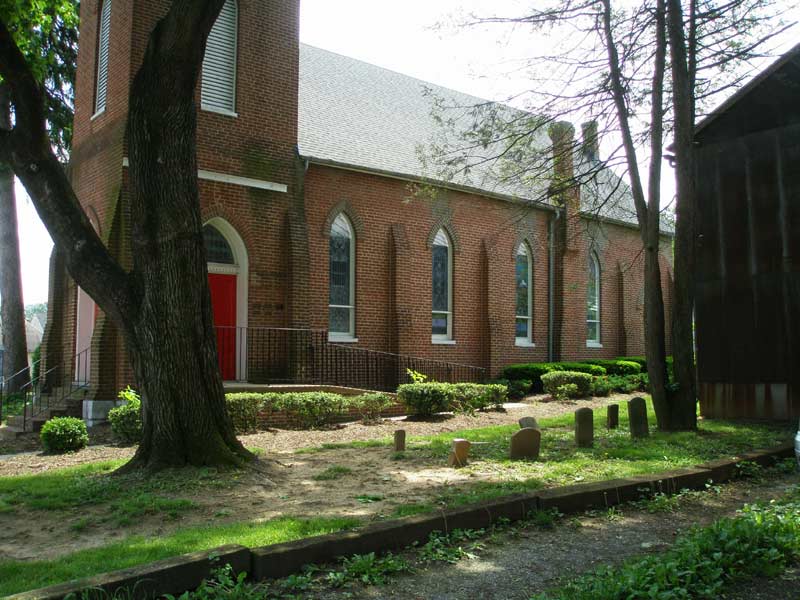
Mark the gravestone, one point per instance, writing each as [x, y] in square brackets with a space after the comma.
[525, 443]
[612, 416]
[529, 423]
[584, 427]
[459, 453]
[637, 417]
[400, 440]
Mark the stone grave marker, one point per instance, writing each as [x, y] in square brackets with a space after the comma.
[400, 440]
[459, 454]
[529, 423]
[612, 416]
[584, 427]
[637, 416]
[525, 443]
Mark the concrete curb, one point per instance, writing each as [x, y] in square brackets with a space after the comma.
[178, 574]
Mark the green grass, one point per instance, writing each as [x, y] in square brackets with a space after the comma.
[18, 576]
[332, 472]
[121, 498]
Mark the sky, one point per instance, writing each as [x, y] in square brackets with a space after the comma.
[402, 36]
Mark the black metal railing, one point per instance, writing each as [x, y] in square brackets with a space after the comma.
[306, 356]
[31, 401]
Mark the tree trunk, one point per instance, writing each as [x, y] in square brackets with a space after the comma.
[12, 308]
[684, 399]
[171, 340]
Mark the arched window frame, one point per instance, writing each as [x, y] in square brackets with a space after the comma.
[208, 101]
[593, 303]
[442, 240]
[525, 316]
[103, 49]
[343, 222]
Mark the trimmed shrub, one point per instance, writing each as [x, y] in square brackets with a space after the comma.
[309, 409]
[426, 399]
[618, 366]
[469, 397]
[534, 371]
[64, 434]
[601, 386]
[566, 391]
[642, 361]
[516, 389]
[244, 409]
[554, 379]
[370, 406]
[126, 420]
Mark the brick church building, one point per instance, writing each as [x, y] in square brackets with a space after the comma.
[305, 161]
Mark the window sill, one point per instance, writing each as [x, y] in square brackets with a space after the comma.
[97, 114]
[524, 344]
[219, 111]
[344, 339]
[590, 344]
[443, 342]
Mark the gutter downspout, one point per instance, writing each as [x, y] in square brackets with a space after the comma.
[551, 266]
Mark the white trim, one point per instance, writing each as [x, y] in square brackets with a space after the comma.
[241, 270]
[232, 179]
[593, 344]
[219, 111]
[341, 339]
[440, 341]
[524, 343]
[97, 114]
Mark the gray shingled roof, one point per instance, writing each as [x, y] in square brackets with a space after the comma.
[364, 116]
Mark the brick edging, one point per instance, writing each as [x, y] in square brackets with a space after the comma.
[180, 573]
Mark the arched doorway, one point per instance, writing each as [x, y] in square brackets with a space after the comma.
[227, 281]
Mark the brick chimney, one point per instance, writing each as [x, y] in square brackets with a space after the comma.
[590, 141]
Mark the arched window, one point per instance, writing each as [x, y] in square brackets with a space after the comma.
[593, 302]
[442, 288]
[218, 250]
[104, 32]
[524, 289]
[218, 87]
[342, 289]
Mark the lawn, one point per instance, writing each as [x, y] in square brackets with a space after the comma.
[104, 522]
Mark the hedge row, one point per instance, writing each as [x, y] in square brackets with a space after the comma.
[426, 399]
[533, 371]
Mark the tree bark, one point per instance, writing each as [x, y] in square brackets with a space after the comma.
[647, 209]
[12, 308]
[684, 400]
[163, 305]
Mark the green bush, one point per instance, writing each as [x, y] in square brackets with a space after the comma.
[601, 386]
[370, 406]
[126, 420]
[618, 366]
[426, 399]
[761, 542]
[469, 397]
[36, 356]
[555, 379]
[244, 409]
[642, 362]
[566, 392]
[534, 371]
[310, 409]
[64, 434]
[516, 389]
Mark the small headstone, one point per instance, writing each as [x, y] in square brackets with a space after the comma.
[584, 427]
[637, 417]
[528, 423]
[612, 416]
[525, 443]
[400, 440]
[459, 453]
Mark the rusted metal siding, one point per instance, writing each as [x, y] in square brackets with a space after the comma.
[748, 269]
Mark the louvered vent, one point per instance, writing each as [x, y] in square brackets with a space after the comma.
[218, 90]
[102, 57]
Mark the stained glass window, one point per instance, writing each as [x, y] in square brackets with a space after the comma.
[341, 301]
[523, 270]
[441, 287]
[218, 250]
[593, 301]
